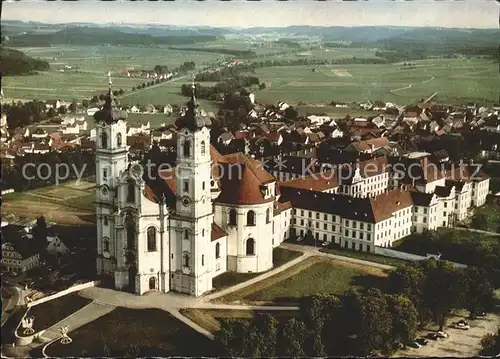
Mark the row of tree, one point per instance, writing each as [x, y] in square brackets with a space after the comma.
[362, 324]
[468, 248]
[216, 92]
[47, 169]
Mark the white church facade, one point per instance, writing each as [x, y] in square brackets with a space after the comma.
[208, 215]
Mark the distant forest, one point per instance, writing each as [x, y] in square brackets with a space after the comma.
[18, 63]
[240, 53]
[92, 36]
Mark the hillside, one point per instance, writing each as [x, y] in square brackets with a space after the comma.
[91, 36]
[15, 62]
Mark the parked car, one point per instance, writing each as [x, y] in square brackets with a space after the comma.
[414, 345]
[299, 239]
[422, 341]
[462, 324]
[433, 336]
[442, 334]
[325, 244]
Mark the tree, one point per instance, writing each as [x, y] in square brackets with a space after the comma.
[267, 326]
[491, 344]
[85, 103]
[371, 323]
[479, 221]
[404, 318]
[262, 86]
[62, 110]
[72, 107]
[133, 89]
[95, 99]
[120, 92]
[232, 335]
[291, 113]
[101, 97]
[291, 339]
[480, 292]
[444, 289]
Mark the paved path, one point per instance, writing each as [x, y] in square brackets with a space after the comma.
[85, 315]
[477, 231]
[314, 251]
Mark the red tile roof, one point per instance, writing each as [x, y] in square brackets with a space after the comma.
[217, 232]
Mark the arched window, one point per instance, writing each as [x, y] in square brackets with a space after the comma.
[119, 139]
[251, 218]
[232, 217]
[104, 140]
[203, 232]
[151, 239]
[250, 247]
[268, 215]
[131, 191]
[217, 250]
[203, 149]
[186, 149]
[185, 260]
[186, 234]
[105, 244]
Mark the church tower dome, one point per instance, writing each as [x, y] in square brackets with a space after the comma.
[192, 119]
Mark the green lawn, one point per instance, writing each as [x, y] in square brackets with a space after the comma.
[366, 256]
[323, 277]
[131, 333]
[228, 279]
[49, 313]
[210, 318]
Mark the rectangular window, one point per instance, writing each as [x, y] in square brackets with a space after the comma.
[202, 259]
[301, 222]
[353, 224]
[203, 185]
[301, 212]
[317, 225]
[325, 227]
[369, 227]
[347, 223]
[368, 237]
[310, 214]
[362, 226]
[185, 186]
[317, 215]
[105, 220]
[360, 235]
[105, 174]
[325, 217]
[346, 233]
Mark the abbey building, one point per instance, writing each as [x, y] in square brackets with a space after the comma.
[212, 213]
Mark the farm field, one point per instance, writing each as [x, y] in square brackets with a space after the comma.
[454, 80]
[314, 275]
[93, 63]
[69, 203]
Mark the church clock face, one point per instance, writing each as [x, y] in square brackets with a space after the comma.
[104, 190]
[186, 201]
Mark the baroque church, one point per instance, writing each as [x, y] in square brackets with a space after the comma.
[207, 215]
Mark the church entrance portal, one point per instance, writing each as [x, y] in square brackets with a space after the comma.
[152, 283]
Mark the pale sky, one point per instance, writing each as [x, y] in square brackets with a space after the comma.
[266, 13]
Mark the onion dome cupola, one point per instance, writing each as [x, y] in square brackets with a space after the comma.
[110, 113]
[192, 119]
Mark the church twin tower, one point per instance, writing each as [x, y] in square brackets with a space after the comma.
[142, 244]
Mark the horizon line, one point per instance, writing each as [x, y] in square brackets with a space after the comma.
[249, 27]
